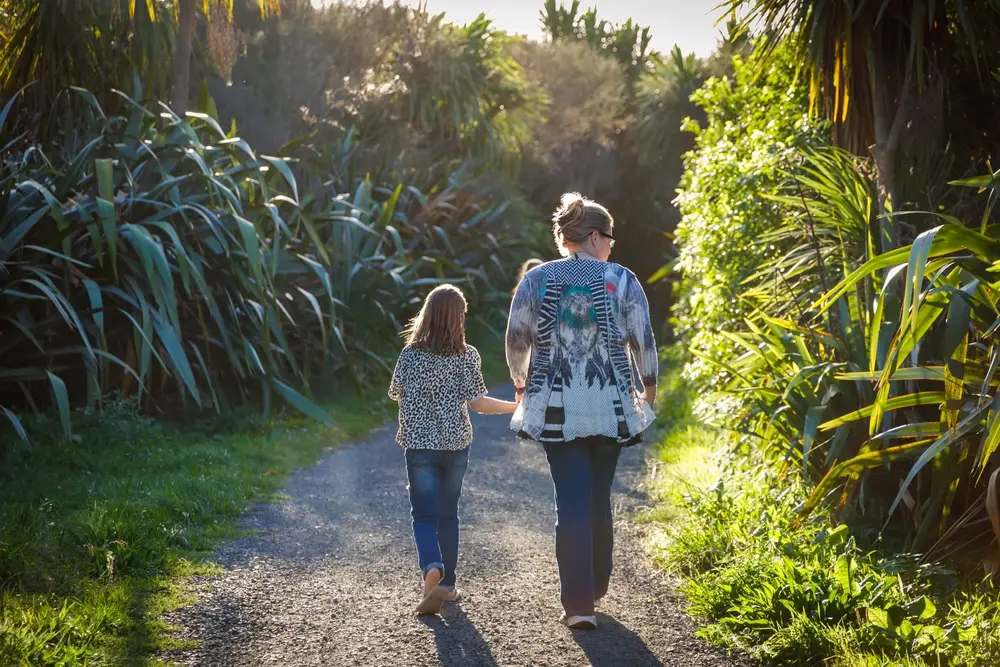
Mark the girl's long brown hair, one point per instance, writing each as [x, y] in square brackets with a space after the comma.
[439, 327]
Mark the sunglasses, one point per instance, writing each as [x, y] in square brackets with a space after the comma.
[609, 237]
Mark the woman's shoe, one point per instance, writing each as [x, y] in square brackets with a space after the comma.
[579, 622]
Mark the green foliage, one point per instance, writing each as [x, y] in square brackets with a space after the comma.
[111, 41]
[663, 101]
[465, 90]
[794, 593]
[159, 253]
[626, 43]
[844, 382]
[431, 91]
[585, 93]
[753, 135]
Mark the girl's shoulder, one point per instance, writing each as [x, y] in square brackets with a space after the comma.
[471, 352]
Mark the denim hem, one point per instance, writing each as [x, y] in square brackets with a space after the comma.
[434, 566]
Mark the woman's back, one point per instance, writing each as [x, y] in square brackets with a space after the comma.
[575, 326]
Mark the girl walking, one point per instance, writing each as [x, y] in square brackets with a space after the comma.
[437, 378]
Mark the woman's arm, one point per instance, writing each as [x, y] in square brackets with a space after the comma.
[639, 332]
[492, 406]
[522, 326]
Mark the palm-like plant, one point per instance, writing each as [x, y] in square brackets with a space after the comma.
[663, 101]
[109, 41]
[558, 22]
[81, 43]
[627, 43]
[452, 91]
[875, 67]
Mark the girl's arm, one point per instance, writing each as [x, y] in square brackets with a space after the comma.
[476, 390]
[492, 406]
[399, 376]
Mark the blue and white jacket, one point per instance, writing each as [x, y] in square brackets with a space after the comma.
[576, 328]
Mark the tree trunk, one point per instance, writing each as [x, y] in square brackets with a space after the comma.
[182, 56]
[887, 104]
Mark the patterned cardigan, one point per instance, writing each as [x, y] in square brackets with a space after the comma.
[577, 327]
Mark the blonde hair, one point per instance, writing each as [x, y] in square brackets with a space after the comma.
[528, 265]
[577, 218]
[439, 327]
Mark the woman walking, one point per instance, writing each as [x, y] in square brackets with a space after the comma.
[577, 326]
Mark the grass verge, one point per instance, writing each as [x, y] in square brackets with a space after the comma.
[97, 533]
[791, 593]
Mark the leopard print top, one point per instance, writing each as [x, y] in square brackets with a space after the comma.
[433, 391]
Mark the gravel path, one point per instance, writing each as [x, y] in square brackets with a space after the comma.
[332, 578]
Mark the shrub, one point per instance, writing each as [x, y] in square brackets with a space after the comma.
[754, 132]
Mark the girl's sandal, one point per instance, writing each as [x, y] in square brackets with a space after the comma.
[434, 595]
[431, 604]
[452, 594]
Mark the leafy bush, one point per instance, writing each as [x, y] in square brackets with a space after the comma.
[853, 379]
[585, 92]
[753, 135]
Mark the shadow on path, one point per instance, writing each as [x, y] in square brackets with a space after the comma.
[614, 645]
[459, 642]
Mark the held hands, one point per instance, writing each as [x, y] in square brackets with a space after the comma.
[487, 405]
[649, 395]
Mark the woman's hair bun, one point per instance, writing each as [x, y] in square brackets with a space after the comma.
[572, 207]
[576, 218]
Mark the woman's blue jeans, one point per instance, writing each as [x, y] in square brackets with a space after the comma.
[435, 483]
[582, 472]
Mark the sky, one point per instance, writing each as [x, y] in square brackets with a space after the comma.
[687, 23]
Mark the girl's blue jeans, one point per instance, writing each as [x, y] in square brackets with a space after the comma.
[435, 484]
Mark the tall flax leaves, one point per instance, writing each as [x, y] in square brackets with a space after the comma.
[166, 258]
[943, 357]
[825, 361]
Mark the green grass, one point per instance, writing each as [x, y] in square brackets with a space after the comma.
[98, 534]
[689, 455]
